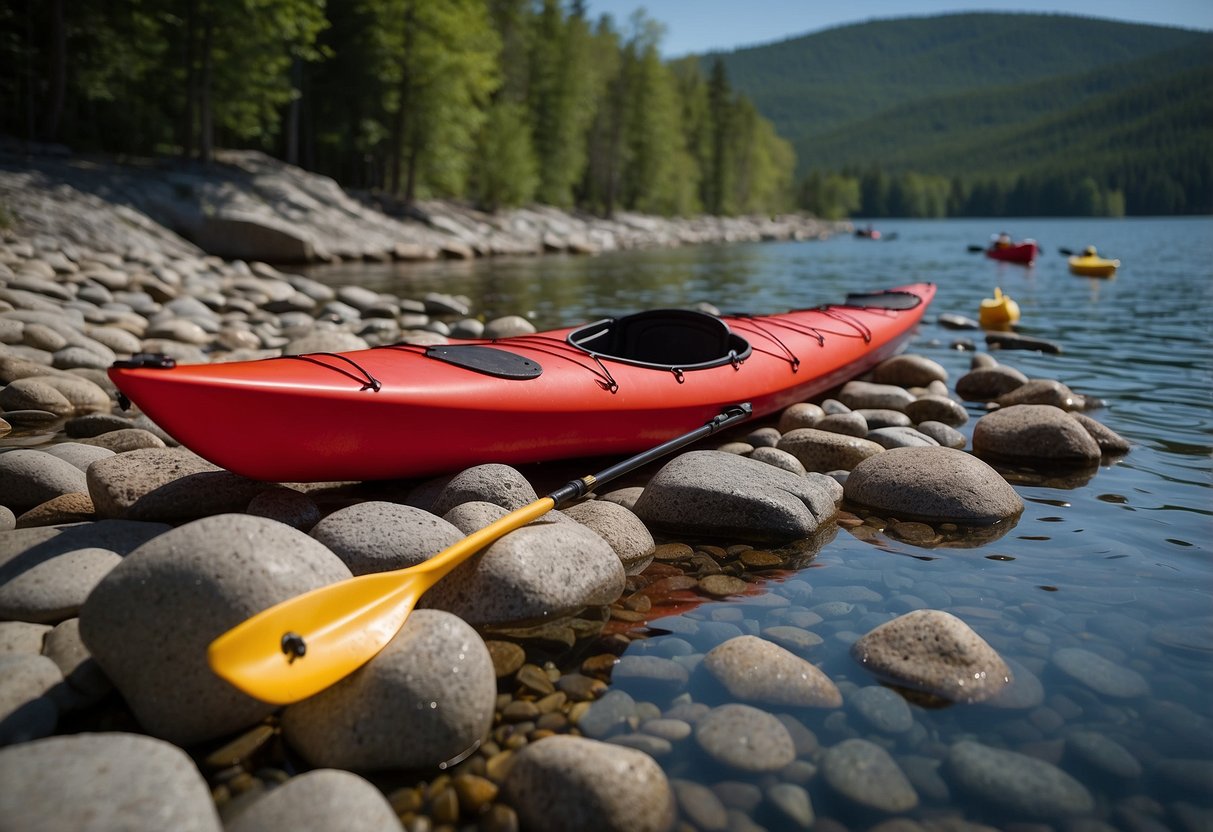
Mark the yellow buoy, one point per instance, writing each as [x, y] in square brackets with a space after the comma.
[998, 311]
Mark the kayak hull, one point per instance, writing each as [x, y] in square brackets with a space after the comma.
[1024, 252]
[319, 418]
[1093, 266]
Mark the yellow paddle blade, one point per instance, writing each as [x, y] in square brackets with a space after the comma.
[304, 644]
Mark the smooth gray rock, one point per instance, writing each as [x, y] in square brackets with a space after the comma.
[107, 781]
[763, 437]
[376, 536]
[27, 710]
[426, 698]
[933, 484]
[8, 520]
[544, 570]
[1108, 440]
[900, 437]
[126, 440]
[286, 505]
[877, 418]
[319, 801]
[745, 738]
[166, 484]
[325, 340]
[755, 670]
[883, 709]
[937, 409]
[865, 394]
[848, 424]
[148, 623]
[619, 527]
[608, 715]
[50, 589]
[473, 516]
[22, 638]
[986, 384]
[1016, 785]
[945, 435]
[29, 478]
[822, 451]
[34, 394]
[1042, 391]
[508, 326]
[492, 483]
[801, 415]
[935, 652]
[780, 459]
[564, 782]
[1101, 753]
[84, 396]
[724, 495]
[864, 773]
[78, 454]
[1101, 675]
[908, 370]
[1034, 431]
[86, 683]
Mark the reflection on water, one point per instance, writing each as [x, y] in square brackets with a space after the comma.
[1098, 595]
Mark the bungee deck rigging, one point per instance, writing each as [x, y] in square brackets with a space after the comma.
[411, 410]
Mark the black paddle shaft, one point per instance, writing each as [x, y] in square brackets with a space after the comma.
[580, 487]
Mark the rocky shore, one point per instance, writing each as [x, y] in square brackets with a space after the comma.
[249, 206]
[123, 555]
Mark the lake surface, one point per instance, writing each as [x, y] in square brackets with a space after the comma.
[1114, 562]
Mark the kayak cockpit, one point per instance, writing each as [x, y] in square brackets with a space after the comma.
[666, 338]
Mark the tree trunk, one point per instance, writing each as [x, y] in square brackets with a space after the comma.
[206, 131]
[292, 114]
[400, 124]
[57, 83]
[191, 80]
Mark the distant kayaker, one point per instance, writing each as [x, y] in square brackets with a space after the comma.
[1003, 240]
[1089, 251]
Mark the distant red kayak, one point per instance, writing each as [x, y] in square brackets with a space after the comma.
[614, 386]
[1022, 252]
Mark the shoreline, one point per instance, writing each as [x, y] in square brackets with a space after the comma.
[248, 206]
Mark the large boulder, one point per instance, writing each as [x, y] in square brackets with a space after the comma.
[150, 620]
[1034, 431]
[933, 484]
[426, 698]
[725, 495]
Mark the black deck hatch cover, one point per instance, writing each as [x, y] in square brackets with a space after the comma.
[488, 360]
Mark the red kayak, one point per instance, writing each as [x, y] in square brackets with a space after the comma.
[614, 386]
[1022, 252]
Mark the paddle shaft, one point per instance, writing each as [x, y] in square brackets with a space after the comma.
[304, 644]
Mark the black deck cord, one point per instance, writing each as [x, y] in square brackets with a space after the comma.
[863, 329]
[604, 378]
[791, 358]
[371, 382]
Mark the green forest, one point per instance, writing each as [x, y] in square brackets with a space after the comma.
[509, 102]
[501, 102]
[992, 115]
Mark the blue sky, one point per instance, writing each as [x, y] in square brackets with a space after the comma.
[704, 25]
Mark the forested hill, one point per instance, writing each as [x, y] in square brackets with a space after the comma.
[996, 102]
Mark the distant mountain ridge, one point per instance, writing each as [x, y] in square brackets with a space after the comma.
[995, 95]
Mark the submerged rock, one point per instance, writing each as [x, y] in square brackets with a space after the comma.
[565, 782]
[934, 652]
[1016, 785]
[756, 670]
